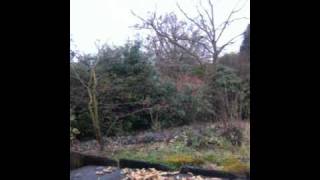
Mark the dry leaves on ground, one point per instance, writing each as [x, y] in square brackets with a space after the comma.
[153, 174]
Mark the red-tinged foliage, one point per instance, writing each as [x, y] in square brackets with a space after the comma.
[192, 81]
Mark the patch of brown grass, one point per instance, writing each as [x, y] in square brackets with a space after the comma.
[234, 165]
[183, 159]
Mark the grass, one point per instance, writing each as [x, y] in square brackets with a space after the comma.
[173, 155]
[234, 165]
[225, 156]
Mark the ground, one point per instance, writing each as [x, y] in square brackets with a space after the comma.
[207, 145]
[112, 173]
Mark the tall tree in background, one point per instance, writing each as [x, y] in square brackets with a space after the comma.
[209, 33]
[244, 55]
[245, 46]
[244, 73]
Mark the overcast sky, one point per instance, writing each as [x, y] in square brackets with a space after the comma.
[110, 20]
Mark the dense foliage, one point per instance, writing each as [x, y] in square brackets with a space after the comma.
[134, 95]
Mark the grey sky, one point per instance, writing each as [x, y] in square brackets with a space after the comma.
[110, 20]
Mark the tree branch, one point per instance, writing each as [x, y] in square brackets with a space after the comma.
[192, 20]
[78, 76]
[228, 21]
[229, 42]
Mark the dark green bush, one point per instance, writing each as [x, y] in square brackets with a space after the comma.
[133, 96]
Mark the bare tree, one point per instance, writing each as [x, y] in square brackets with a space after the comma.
[208, 34]
[174, 39]
[179, 50]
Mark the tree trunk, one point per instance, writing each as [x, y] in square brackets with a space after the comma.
[93, 108]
